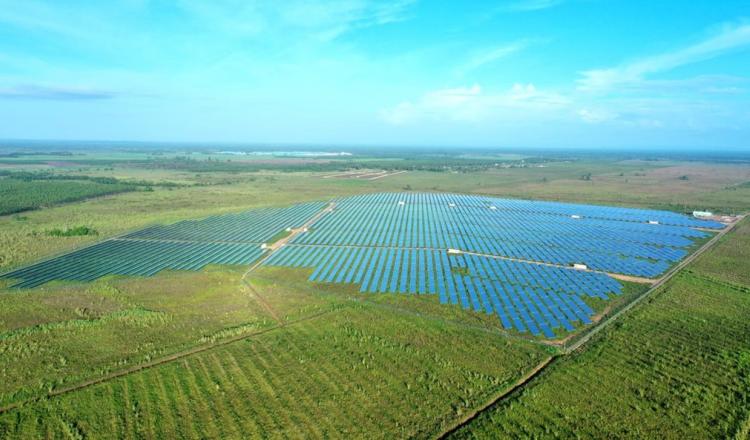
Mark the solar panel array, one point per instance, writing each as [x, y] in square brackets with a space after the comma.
[186, 245]
[498, 256]
[607, 239]
[511, 257]
[525, 296]
[254, 226]
[134, 257]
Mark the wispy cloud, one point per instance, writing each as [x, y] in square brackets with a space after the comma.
[323, 20]
[331, 19]
[596, 115]
[530, 5]
[471, 104]
[54, 93]
[490, 55]
[731, 37]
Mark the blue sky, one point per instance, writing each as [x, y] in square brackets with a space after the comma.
[517, 73]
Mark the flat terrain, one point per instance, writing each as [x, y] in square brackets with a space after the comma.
[336, 363]
[678, 366]
[206, 355]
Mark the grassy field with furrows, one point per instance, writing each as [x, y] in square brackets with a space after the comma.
[677, 366]
[344, 367]
[730, 262]
[62, 334]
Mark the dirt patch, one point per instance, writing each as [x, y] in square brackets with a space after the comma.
[633, 279]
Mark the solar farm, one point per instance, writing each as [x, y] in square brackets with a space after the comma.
[530, 263]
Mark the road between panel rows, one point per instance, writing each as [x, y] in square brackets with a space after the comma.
[271, 250]
[198, 349]
[623, 277]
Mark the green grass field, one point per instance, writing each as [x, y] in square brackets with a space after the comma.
[334, 364]
[282, 357]
[651, 184]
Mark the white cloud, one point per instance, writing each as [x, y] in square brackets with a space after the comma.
[55, 93]
[488, 56]
[730, 38]
[323, 20]
[531, 5]
[596, 115]
[471, 104]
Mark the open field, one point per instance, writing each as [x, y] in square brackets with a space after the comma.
[60, 335]
[206, 354]
[349, 370]
[221, 192]
[676, 367]
[509, 257]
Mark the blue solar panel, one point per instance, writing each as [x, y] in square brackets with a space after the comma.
[515, 254]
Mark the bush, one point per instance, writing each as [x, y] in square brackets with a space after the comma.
[72, 232]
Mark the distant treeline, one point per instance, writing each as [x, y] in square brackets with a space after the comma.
[35, 153]
[399, 163]
[28, 176]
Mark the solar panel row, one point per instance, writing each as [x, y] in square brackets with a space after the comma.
[524, 296]
[438, 221]
[134, 257]
[255, 226]
[536, 206]
[186, 245]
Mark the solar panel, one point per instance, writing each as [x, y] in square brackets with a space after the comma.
[512, 257]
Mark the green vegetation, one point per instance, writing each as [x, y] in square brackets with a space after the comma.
[677, 366]
[282, 357]
[76, 231]
[66, 333]
[23, 195]
[730, 263]
[280, 235]
[328, 360]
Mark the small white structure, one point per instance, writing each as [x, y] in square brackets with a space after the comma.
[401, 203]
[575, 216]
[653, 222]
[493, 207]
[451, 205]
[580, 266]
[288, 229]
[455, 252]
[264, 246]
[304, 229]
[702, 214]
